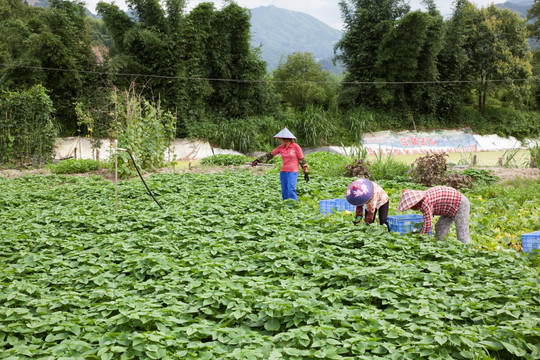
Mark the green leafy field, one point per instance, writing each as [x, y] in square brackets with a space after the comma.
[228, 271]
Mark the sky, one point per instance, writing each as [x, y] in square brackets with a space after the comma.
[326, 11]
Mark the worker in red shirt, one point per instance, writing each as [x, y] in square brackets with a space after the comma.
[292, 158]
[364, 193]
[445, 201]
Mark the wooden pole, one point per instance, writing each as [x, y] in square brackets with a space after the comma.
[116, 177]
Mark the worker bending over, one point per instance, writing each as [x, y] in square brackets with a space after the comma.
[364, 193]
[445, 201]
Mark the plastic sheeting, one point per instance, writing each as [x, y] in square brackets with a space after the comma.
[405, 142]
[495, 143]
[409, 142]
[180, 149]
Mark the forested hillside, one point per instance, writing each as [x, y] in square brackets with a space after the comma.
[403, 70]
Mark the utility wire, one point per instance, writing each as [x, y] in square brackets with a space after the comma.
[269, 81]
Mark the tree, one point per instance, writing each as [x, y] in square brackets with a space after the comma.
[302, 82]
[385, 43]
[187, 51]
[13, 9]
[45, 39]
[535, 90]
[149, 46]
[407, 55]
[229, 56]
[452, 63]
[497, 49]
[366, 23]
[533, 16]
[427, 96]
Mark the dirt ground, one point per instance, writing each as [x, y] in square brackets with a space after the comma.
[513, 173]
[13, 173]
[502, 172]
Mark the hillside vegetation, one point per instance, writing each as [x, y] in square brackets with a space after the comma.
[403, 70]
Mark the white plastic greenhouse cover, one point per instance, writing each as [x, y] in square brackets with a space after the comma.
[399, 143]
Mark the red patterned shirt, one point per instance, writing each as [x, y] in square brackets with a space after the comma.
[439, 200]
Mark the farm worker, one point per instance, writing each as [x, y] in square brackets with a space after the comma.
[364, 193]
[292, 158]
[445, 201]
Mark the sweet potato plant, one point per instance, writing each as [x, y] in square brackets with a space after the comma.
[227, 270]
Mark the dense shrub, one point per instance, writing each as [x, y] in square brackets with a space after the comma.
[324, 163]
[76, 166]
[506, 121]
[313, 126]
[481, 176]
[388, 168]
[27, 133]
[358, 168]
[431, 170]
[316, 126]
[242, 134]
[225, 160]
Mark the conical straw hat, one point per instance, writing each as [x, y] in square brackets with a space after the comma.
[285, 134]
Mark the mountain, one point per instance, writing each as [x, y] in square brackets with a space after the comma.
[519, 6]
[282, 32]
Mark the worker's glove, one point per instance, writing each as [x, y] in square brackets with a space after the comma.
[306, 177]
[357, 221]
[255, 162]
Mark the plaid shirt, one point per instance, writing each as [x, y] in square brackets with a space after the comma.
[438, 200]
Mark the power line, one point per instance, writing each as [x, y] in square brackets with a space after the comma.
[432, 82]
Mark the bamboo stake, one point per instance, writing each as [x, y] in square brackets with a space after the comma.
[116, 176]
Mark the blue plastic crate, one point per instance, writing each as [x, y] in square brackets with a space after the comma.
[404, 224]
[530, 241]
[335, 205]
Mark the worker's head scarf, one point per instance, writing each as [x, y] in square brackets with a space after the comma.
[409, 198]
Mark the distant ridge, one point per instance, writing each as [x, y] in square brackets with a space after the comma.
[283, 32]
[519, 6]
